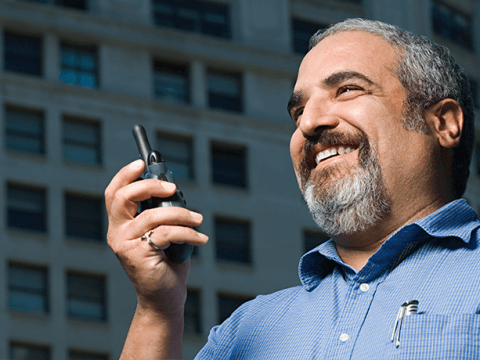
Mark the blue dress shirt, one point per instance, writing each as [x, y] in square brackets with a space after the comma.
[341, 313]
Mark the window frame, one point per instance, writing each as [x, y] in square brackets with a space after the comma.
[23, 345]
[180, 71]
[43, 293]
[80, 219]
[225, 251]
[215, 100]
[36, 137]
[446, 29]
[222, 152]
[96, 147]
[8, 52]
[174, 20]
[41, 215]
[92, 299]
[78, 51]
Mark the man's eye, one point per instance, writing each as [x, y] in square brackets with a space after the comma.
[348, 88]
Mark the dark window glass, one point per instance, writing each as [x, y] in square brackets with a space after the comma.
[24, 131]
[192, 313]
[26, 208]
[229, 165]
[312, 239]
[227, 304]
[194, 16]
[452, 25]
[86, 297]
[81, 355]
[79, 66]
[81, 141]
[28, 289]
[178, 155]
[302, 32]
[74, 4]
[224, 91]
[22, 54]
[232, 240]
[29, 352]
[84, 217]
[171, 82]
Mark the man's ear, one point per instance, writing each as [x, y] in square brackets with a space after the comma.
[445, 119]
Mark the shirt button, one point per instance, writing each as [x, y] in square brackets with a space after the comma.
[364, 287]
[344, 337]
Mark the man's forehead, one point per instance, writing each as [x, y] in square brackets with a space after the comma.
[352, 51]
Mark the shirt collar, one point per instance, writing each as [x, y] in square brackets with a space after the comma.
[455, 219]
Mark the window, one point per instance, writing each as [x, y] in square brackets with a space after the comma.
[78, 66]
[232, 240]
[26, 208]
[20, 351]
[23, 54]
[86, 297]
[195, 16]
[28, 289]
[312, 239]
[83, 355]
[171, 82]
[229, 165]
[302, 32]
[81, 141]
[224, 91]
[452, 25]
[227, 304]
[178, 154]
[24, 131]
[192, 313]
[74, 4]
[84, 217]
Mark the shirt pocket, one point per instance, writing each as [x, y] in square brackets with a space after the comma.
[424, 336]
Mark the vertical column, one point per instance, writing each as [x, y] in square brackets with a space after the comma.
[51, 57]
[198, 84]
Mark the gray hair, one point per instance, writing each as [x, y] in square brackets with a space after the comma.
[429, 74]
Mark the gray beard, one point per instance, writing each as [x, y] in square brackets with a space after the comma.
[351, 204]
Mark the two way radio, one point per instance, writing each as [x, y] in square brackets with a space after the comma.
[156, 168]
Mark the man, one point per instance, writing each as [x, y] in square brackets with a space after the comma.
[381, 152]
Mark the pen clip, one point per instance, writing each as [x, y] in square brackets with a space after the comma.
[407, 308]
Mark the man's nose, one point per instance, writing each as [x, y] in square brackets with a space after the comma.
[314, 120]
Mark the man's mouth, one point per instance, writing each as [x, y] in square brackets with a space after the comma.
[333, 151]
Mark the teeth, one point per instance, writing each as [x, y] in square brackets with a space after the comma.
[331, 152]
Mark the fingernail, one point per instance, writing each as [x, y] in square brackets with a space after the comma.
[169, 186]
[196, 216]
[136, 164]
[202, 236]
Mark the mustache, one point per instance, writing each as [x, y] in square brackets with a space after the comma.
[330, 137]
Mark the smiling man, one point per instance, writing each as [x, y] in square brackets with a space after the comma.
[383, 142]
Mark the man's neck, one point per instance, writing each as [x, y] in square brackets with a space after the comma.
[356, 249]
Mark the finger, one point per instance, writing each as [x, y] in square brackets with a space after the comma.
[125, 201]
[125, 176]
[164, 235]
[172, 216]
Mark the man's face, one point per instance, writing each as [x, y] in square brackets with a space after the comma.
[350, 149]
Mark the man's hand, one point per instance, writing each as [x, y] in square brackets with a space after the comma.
[160, 284]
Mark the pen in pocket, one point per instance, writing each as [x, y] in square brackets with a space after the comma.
[407, 308]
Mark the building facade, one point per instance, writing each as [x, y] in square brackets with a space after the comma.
[209, 80]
